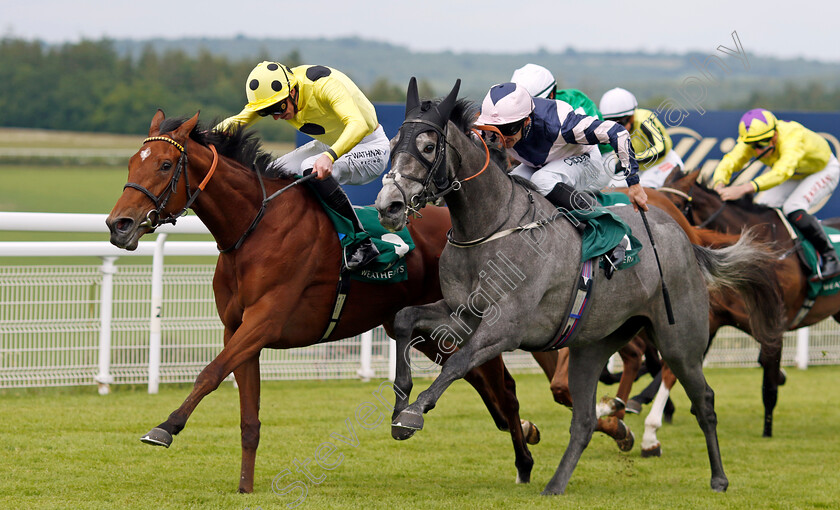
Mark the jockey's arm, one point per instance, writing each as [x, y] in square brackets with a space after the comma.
[733, 161]
[590, 131]
[582, 129]
[791, 150]
[355, 126]
[243, 118]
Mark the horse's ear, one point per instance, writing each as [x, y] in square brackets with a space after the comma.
[412, 97]
[184, 130]
[154, 129]
[675, 175]
[446, 106]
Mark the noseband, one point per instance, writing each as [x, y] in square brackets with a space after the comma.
[435, 170]
[161, 200]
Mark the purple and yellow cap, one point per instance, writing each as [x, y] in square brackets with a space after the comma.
[756, 124]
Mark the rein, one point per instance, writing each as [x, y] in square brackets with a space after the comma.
[687, 209]
[263, 204]
[436, 174]
[416, 201]
[161, 200]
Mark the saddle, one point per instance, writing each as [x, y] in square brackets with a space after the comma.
[389, 266]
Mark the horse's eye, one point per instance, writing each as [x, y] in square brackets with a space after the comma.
[429, 148]
[165, 166]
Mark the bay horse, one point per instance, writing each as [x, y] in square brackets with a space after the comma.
[435, 156]
[702, 206]
[276, 287]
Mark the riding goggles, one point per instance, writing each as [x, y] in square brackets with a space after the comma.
[275, 109]
[760, 144]
[512, 128]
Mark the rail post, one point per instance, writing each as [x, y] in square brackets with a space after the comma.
[154, 321]
[106, 310]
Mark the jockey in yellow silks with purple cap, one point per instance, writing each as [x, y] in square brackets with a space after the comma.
[803, 174]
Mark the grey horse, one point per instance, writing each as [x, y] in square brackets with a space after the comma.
[512, 265]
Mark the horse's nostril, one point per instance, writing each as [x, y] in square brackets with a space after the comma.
[123, 224]
[395, 207]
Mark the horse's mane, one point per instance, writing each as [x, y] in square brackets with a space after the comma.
[240, 143]
[744, 203]
[464, 115]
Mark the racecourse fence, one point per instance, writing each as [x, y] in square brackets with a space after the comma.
[71, 325]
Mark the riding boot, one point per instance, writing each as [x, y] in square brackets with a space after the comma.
[566, 197]
[829, 265]
[335, 197]
[616, 257]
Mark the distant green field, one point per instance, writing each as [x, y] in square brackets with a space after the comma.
[53, 181]
[73, 449]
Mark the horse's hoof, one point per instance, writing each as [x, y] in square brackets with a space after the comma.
[629, 440]
[720, 484]
[523, 478]
[401, 433]
[157, 437]
[409, 420]
[656, 451]
[551, 492]
[530, 432]
[608, 406]
[406, 424]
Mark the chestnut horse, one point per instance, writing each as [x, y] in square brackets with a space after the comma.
[276, 287]
[721, 301]
[702, 206]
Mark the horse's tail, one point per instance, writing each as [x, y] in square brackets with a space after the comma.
[745, 267]
[714, 239]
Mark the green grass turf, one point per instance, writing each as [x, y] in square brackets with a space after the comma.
[71, 448]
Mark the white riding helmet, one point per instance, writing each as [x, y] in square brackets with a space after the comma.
[617, 103]
[505, 103]
[537, 80]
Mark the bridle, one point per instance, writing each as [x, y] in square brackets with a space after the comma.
[436, 170]
[436, 173]
[687, 209]
[154, 217]
[161, 200]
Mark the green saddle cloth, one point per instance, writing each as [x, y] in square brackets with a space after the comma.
[823, 287]
[605, 229]
[389, 266]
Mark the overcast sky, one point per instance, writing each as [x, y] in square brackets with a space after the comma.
[788, 29]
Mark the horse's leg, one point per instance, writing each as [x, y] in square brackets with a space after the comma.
[560, 379]
[248, 380]
[611, 411]
[770, 359]
[243, 345]
[653, 422]
[497, 389]
[631, 357]
[613, 427]
[690, 374]
[547, 360]
[412, 328]
[480, 348]
[587, 361]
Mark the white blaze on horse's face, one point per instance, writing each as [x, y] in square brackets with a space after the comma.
[145, 153]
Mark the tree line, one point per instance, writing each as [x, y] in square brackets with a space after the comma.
[87, 86]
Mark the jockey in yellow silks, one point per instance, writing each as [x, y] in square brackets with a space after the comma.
[651, 143]
[350, 146]
[803, 174]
